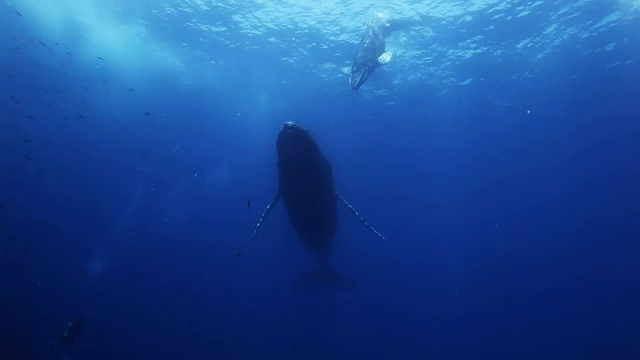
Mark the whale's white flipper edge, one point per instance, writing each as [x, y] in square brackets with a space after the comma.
[385, 58]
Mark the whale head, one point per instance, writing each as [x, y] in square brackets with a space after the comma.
[359, 74]
[295, 142]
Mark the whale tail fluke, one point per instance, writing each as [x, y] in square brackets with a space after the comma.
[324, 278]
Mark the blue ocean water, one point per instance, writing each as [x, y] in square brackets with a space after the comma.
[497, 153]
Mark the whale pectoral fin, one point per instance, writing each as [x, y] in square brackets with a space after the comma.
[265, 214]
[385, 58]
[362, 220]
[263, 217]
[346, 70]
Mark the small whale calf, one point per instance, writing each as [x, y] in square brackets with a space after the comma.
[371, 52]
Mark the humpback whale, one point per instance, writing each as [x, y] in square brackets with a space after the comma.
[371, 52]
[307, 190]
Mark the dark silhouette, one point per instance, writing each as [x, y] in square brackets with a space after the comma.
[66, 342]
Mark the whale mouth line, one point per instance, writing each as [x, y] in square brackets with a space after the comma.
[358, 80]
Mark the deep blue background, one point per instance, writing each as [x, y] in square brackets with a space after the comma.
[512, 228]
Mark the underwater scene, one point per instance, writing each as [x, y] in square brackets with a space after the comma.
[337, 179]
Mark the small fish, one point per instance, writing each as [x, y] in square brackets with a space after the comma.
[18, 13]
[239, 253]
[26, 140]
[68, 53]
[132, 89]
[249, 204]
[30, 117]
[99, 58]
[41, 43]
[147, 113]
[28, 157]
